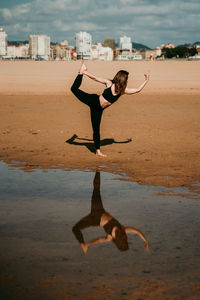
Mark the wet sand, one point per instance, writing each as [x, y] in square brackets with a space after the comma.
[38, 114]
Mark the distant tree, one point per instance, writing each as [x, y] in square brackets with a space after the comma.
[182, 51]
[196, 43]
[17, 43]
[192, 51]
[55, 43]
[179, 52]
[169, 52]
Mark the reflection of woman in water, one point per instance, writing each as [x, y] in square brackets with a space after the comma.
[114, 89]
[115, 232]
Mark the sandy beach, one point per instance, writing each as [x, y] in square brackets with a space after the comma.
[151, 138]
[38, 114]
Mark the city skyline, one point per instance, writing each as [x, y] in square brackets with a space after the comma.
[151, 23]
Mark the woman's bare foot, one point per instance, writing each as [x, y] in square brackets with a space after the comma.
[99, 153]
[84, 248]
[82, 68]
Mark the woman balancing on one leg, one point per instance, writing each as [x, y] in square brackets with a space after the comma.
[114, 89]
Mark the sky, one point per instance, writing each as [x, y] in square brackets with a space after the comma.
[149, 22]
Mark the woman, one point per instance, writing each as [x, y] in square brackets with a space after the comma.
[114, 89]
[115, 231]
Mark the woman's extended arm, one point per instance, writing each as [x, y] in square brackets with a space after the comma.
[107, 82]
[85, 247]
[107, 238]
[137, 90]
[141, 235]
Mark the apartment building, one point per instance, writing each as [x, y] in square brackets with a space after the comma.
[61, 52]
[109, 43]
[3, 42]
[83, 45]
[20, 51]
[39, 46]
[125, 43]
[100, 52]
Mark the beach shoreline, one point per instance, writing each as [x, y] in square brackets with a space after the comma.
[162, 121]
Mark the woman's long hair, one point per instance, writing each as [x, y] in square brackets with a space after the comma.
[120, 81]
[120, 239]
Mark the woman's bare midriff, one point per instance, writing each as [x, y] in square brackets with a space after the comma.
[105, 218]
[103, 102]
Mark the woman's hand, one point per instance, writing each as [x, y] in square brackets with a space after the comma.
[147, 247]
[146, 76]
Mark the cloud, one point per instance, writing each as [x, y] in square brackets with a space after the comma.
[146, 21]
[5, 13]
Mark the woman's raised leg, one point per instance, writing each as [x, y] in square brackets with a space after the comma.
[81, 95]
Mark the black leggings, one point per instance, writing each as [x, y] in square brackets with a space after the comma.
[97, 210]
[92, 100]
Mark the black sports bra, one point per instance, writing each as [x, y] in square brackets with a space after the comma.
[108, 95]
[108, 227]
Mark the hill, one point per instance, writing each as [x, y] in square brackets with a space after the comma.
[138, 46]
[190, 44]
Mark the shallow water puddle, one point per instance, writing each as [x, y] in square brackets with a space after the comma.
[83, 235]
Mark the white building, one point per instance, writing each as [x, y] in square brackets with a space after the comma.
[61, 52]
[3, 42]
[83, 45]
[39, 45]
[106, 53]
[151, 54]
[125, 43]
[129, 56]
[65, 43]
[20, 51]
[99, 52]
